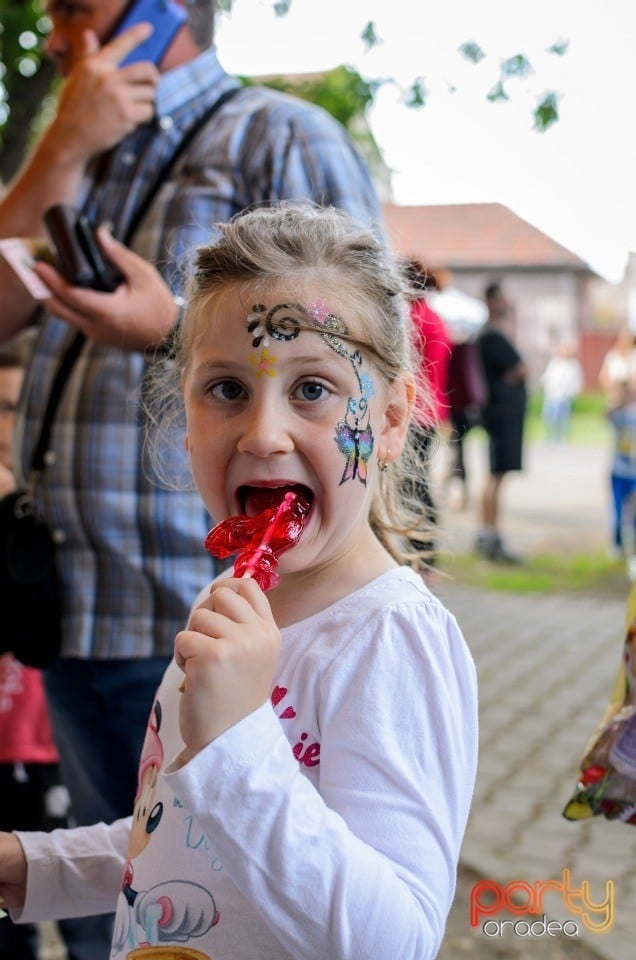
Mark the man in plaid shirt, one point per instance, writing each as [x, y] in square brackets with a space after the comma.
[132, 560]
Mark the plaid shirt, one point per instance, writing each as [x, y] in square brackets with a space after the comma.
[132, 560]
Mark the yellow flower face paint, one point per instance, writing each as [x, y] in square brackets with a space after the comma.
[264, 362]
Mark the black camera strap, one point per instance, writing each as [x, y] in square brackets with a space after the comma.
[40, 460]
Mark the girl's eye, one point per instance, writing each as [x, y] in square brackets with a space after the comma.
[227, 390]
[310, 390]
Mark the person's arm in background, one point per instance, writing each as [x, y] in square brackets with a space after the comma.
[516, 374]
[13, 871]
[98, 106]
[65, 873]
[606, 380]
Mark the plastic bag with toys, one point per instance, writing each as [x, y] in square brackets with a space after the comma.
[607, 783]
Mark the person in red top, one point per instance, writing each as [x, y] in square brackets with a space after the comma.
[32, 796]
[434, 346]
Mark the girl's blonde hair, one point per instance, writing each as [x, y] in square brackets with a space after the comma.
[294, 244]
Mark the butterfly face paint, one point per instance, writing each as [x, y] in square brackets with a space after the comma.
[353, 436]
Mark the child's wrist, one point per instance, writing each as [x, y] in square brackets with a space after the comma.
[184, 757]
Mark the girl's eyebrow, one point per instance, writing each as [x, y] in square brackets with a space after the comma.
[218, 364]
[312, 358]
[222, 364]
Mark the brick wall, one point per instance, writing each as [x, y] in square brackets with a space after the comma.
[593, 345]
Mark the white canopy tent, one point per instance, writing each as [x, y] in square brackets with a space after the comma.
[462, 314]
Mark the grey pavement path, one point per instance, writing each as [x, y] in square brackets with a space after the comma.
[559, 502]
[546, 667]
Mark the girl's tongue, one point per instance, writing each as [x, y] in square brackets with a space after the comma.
[258, 499]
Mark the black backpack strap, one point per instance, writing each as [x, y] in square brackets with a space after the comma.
[172, 161]
[39, 458]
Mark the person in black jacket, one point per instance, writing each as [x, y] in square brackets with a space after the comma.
[502, 418]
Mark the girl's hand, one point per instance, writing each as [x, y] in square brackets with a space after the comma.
[13, 871]
[228, 654]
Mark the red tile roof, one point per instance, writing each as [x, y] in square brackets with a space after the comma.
[474, 235]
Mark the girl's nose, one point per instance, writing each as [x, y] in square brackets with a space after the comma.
[265, 431]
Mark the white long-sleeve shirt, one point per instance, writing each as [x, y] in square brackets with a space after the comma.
[326, 824]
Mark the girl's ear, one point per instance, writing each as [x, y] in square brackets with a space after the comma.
[397, 416]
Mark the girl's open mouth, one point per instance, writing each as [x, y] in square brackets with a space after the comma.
[254, 500]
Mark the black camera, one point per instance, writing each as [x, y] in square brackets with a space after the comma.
[79, 256]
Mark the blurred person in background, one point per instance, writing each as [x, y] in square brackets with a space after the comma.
[32, 795]
[622, 415]
[434, 347]
[503, 420]
[561, 382]
[467, 396]
[618, 367]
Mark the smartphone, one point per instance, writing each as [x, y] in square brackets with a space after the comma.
[78, 254]
[165, 16]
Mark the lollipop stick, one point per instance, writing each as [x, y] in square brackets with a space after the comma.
[268, 535]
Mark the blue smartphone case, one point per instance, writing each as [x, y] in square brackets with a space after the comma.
[165, 16]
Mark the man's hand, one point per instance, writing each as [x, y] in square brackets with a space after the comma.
[137, 316]
[13, 871]
[101, 103]
[98, 106]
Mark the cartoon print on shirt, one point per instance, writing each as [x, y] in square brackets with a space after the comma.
[168, 913]
[146, 813]
[354, 436]
[164, 912]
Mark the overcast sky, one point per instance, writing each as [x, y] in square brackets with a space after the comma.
[576, 182]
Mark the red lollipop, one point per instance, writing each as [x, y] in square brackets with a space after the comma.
[259, 541]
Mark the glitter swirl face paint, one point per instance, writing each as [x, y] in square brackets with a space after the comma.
[353, 433]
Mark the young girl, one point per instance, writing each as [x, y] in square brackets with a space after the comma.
[304, 792]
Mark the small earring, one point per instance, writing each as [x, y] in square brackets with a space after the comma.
[383, 465]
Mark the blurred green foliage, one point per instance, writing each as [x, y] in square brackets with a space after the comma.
[341, 92]
[543, 573]
[588, 424]
[26, 78]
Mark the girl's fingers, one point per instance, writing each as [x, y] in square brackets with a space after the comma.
[248, 590]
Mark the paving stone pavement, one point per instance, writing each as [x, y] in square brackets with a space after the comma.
[546, 667]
